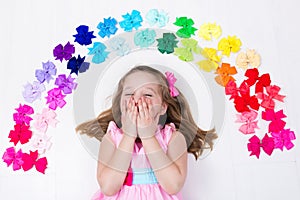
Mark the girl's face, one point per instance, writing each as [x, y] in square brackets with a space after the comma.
[143, 85]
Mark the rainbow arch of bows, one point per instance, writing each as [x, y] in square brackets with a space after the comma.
[254, 97]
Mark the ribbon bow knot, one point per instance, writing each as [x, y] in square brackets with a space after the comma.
[10, 156]
[284, 139]
[248, 58]
[232, 89]
[276, 124]
[254, 145]
[267, 99]
[171, 81]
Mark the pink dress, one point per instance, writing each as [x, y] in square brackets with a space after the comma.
[140, 183]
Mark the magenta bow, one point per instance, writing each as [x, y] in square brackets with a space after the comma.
[276, 124]
[254, 145]
[247, 118]
[283, 139]
[22, 115]
[231, 89]
[267, 99]
[171, 81]
[55, 98]
[10, 156]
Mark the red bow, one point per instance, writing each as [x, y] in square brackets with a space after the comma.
[254, 145]
[243, 102]
[31, 160]
[21, 134]
[241, 96]
[261, 81]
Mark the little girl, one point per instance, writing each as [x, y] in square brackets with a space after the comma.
[145, 137]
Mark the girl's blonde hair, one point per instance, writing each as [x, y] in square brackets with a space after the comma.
[178, 112]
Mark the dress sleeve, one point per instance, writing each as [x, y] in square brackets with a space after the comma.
[167, 132]
[115, 132]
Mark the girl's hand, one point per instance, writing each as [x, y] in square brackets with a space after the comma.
[147, 119]
[129, 118]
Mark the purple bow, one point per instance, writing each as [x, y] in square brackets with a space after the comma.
[33, 91]
[65, 84]
[46, 73]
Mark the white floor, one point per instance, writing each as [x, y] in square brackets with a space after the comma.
[31, 28]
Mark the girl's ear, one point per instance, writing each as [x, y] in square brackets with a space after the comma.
[164, 108]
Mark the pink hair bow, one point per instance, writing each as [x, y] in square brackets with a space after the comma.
[47, 117]
[41, 143]
[55, 98]
[254, 145]
[171, 81]
[267, 100]
[283, 139]
[22, 116]
[11, 157]
[231, 89]
[276, 124]
[247, 118]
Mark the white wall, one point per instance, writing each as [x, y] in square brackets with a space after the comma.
[31, 28]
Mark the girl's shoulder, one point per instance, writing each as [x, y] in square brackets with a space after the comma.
[170, 132]
[114, 132]
[167, 132]
[113, 128]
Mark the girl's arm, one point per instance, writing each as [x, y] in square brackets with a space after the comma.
[170, 168]
[113, 163]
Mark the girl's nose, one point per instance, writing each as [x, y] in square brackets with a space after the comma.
[136, 98]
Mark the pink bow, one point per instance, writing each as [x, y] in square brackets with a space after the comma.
[283, 139]
[41, 142]
[247, 118]
[47, 117]
[254, 145]
[231, 89]
[267, 100]
[22, 115]
[10, 156]
[55, 98]
[276, 124]
[171, 81]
